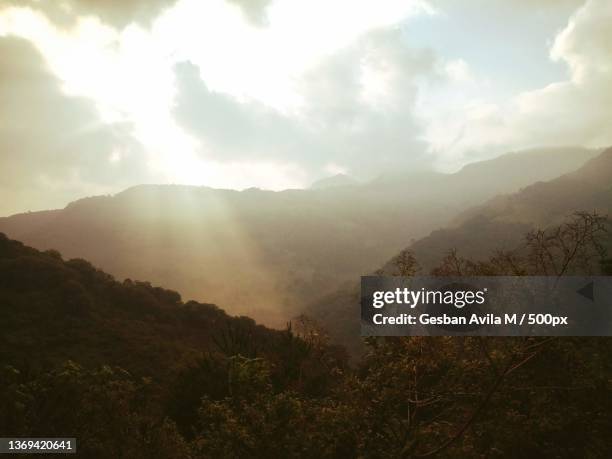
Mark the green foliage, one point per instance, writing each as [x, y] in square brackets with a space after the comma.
[111, 413]
[257, 422]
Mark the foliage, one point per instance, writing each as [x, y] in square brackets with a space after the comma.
[132, 371]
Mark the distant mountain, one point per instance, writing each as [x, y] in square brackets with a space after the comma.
[515, 170]
[334, 181]
[268, 254]
[500, 223]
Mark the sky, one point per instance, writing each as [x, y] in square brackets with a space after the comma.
[97, 96]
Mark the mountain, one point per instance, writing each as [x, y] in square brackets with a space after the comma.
[514, 170]
[268, 254]
[334, 181]
[500, 223]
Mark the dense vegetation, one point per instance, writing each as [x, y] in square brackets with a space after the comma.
[132, 371]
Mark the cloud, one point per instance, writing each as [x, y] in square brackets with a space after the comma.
[120, 13]
[53, 148]
[574, 111]
[509, 5]
[287, 88]
[242, 130]
[356, 112]
[586, 43]
[254, 10]
[277, 95]
[578, 110]
[116, 13]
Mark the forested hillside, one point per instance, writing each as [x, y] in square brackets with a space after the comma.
[133, 372]
[54, 310]
[268, 254]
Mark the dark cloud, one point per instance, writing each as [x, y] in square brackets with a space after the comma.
[340, 123]
[118, 13]
[53, 148]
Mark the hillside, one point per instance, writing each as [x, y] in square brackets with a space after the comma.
[133, 372]
[268, 254]
[499, 224]
[501, 221]
[54, 310]
[123, 366]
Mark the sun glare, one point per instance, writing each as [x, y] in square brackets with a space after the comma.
[129, 73]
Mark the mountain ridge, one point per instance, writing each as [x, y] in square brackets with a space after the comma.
[269, 250]
[333, 181]
[499, 224]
